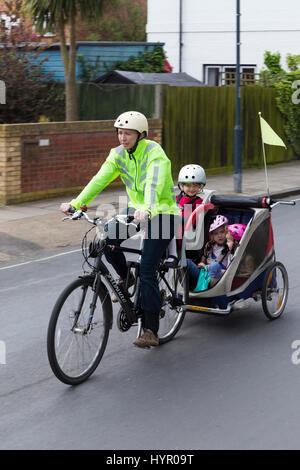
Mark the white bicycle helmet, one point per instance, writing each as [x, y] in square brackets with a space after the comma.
[192, 174]
[132, 120]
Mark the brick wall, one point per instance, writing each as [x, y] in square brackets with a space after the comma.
[47, 159]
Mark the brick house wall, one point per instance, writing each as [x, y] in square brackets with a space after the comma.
[49, 159]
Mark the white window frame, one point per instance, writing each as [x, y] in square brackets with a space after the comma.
[222, 67]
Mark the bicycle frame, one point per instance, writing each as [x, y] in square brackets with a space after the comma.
[131, 309]
[101, 268]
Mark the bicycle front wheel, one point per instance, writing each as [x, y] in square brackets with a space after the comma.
[77, 334]
[172, 313]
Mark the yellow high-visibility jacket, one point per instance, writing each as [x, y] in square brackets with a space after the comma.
[146, 175]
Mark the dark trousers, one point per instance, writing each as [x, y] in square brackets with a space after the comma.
[160, 231]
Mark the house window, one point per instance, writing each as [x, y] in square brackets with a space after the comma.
[217, 75]
[228, 76]
[248, 75]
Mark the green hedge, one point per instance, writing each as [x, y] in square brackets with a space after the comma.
[199, 124]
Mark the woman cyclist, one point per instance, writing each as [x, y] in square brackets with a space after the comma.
[145, 170]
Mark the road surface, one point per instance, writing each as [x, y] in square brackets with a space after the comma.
[222, 383]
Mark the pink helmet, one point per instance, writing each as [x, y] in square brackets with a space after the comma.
[218, 222]
[237, 231]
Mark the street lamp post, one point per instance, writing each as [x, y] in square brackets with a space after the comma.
[238, 135]
[180, 36]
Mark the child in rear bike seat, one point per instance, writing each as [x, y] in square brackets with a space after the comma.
[191, 181]
[216, 254]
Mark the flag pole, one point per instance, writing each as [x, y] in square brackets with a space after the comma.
[264, 154]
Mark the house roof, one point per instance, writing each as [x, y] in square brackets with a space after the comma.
[109, 44]
[56, 45]
[141, 78]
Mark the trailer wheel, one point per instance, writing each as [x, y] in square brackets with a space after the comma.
[275, 290]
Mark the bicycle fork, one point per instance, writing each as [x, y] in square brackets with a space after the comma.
[75, 328]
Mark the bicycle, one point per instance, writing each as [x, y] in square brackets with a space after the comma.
[82, 316]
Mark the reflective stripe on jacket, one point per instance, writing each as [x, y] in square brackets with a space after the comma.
[146, 175]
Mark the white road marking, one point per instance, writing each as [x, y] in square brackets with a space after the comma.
[40, 259]
[33, 282]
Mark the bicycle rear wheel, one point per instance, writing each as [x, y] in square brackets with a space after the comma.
[77, 338]
[172, 314]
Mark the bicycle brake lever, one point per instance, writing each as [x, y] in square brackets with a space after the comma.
[75, 216]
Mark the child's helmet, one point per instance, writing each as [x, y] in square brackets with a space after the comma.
[236, 231]
[218, 222]
[192, 174]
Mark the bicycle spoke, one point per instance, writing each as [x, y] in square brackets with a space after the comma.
[172, 314]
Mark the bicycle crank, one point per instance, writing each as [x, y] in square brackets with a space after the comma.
[122, 321]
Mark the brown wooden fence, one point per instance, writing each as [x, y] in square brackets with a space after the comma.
[198, 124]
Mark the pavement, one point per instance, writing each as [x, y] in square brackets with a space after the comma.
[27, 229]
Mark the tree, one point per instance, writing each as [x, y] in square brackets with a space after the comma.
[60, 15]
[293, 62]
[29, 91]
[121, 20]
[153, 62]
[272, 62]
[13, 27]
[286, 96]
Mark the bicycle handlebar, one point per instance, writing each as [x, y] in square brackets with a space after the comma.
[78, 213]
[274, 203]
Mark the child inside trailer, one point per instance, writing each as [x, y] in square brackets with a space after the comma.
[252, 271]
[254, 251]
[218, 251]
[216, 255]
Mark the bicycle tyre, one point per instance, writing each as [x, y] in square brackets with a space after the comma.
[274, 299]
[172, 319]
[67, 347]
